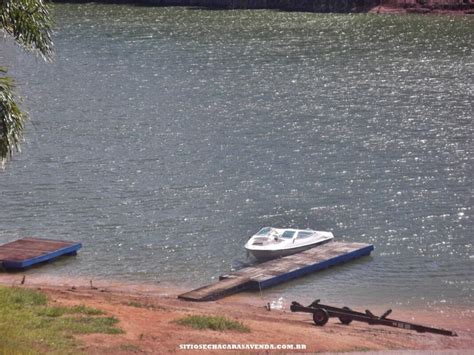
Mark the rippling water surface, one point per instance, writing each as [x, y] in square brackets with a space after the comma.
[163, 137]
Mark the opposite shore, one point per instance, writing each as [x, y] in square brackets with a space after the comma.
[460, 7]
[148, 313]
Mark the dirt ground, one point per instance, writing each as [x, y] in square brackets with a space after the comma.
[147, 314]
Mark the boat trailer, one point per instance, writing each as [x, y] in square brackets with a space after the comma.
[322, 313]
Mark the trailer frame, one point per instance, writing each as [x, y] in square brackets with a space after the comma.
[322, 313]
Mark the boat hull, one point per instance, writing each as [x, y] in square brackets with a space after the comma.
[263, 255]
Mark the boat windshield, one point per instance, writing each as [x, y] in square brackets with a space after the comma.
[302, 235]
[288, 234]
[264, 230]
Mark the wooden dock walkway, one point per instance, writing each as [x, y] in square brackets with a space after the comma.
[26, 252]
[276, 271]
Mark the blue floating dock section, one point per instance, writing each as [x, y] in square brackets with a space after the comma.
[280, 270]
[24, 253]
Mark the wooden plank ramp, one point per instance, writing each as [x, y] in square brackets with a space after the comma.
[26, 252]
[276, 271]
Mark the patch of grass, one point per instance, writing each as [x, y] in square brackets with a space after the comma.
[137, 304]
[81, 309]
[28, 325]
[88, 325]
[362, 349]
[19, 298]
[214, 323]
[129, 347]
[59, 311]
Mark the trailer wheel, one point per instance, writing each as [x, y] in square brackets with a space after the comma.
[345, 320]
[320, 316]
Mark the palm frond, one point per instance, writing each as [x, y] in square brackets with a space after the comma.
[12, 119]
[29, 23]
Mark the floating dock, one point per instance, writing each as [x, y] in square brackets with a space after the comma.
[276, 271]
[23, 253]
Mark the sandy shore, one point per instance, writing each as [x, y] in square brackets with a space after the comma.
[147, 314]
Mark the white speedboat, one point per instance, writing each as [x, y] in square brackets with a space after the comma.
[271, 243]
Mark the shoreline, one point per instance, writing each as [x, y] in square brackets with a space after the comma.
[147, 313]
[395, 7]
[420, 10]
[253, 297]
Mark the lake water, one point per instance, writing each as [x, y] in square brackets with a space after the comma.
[162, 138]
